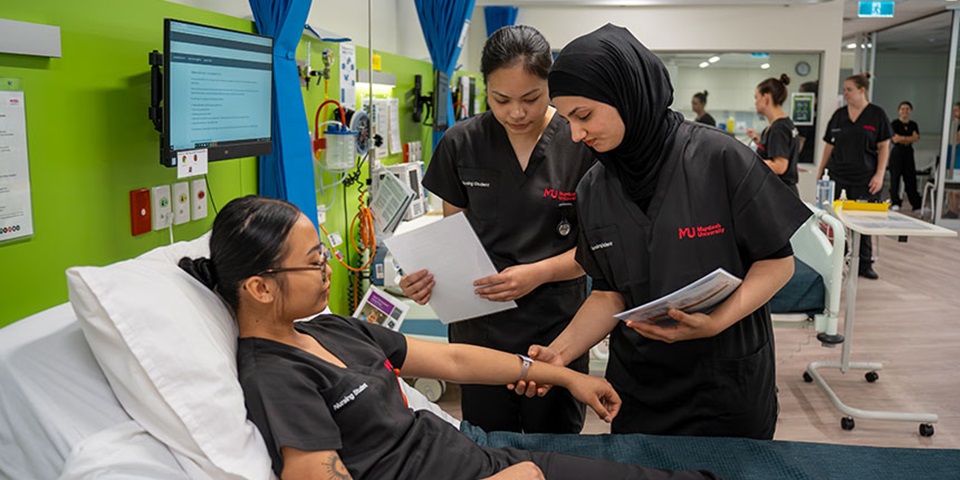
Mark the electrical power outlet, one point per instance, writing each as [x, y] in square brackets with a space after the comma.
[181, 203]
[198, 199]
[160, 207]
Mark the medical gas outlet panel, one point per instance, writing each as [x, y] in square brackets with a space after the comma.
[161, 206]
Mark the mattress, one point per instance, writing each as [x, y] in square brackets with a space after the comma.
[54, 395]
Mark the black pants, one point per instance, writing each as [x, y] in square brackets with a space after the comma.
[556, 466]
[539, 317]
[860, 191]
[903, 166]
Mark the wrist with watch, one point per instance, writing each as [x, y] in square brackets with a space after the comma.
[525, 363]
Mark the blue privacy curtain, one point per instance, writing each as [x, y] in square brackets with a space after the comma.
[287, 173]
[499, 17]
[444, 24]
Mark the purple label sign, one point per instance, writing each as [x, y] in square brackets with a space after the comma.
[381, 303]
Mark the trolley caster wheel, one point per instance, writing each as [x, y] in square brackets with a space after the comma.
[926, 430]
[871, 376]
[847, 423]
[430, 388]
[807, 378]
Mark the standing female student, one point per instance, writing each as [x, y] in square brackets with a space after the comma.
[513, 171]
[779, 144]
[857, 150]
[699, 105]
[906, 132]
[324, 392]
[669, 202]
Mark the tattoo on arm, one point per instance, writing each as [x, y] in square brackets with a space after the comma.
[335, 467]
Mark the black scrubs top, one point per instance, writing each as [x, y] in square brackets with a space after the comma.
[715, 206]
[779, 139]
[808, 132]
[903, 152]
[300, 401]
[854, 158]
[516, 213]
[707, 119]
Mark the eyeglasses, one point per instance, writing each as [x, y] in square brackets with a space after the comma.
[321, 266]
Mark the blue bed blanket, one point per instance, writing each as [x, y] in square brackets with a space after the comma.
[739, 458]
[804, 293]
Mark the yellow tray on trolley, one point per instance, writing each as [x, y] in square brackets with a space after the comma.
[861, 205]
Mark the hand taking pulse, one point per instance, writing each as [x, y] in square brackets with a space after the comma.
[688, 327]
[540, 354]
[595, 392]
[418, 286]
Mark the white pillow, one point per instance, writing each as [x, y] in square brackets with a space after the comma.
[199, 247]
[167, 345]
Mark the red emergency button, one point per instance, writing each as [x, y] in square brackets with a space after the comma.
[201, 194]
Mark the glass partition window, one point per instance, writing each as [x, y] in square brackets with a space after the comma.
[948, 180]
[730, 79]
[912, 62]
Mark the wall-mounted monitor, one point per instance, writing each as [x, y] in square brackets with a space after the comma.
[217, 92]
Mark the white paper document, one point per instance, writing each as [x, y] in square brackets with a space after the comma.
[348, 75]
[451, 251]
[16, 210]
[394, 141]
[699, 296]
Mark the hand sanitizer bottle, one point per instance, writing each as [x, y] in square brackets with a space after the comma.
[825, 189]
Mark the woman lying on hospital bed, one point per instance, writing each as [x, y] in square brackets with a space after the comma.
[324, 392]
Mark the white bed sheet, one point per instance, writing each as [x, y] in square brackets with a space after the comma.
[60, 419]
[53, 395]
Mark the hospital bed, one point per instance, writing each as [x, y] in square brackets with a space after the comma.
[62, 418]
[813, 293]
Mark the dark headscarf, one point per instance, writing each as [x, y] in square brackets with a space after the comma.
[611, 66]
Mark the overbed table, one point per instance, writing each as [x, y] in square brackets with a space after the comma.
[861, 222]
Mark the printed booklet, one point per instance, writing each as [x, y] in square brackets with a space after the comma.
[700, 296]
[381, 308]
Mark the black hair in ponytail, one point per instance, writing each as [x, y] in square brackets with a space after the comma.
[249, 236]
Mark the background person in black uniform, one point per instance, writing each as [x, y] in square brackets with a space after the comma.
[669, 202]
[778, 146]
[699, 105]
[808, 132]
[324, 392]
[857, 150]
[906, 132]
[513, 171]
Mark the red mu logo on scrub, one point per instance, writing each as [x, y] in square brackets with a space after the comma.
[700, 232]
[558, 195]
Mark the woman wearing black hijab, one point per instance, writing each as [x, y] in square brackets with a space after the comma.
[669, 202]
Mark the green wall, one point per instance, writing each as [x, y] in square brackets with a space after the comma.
[90, 142]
